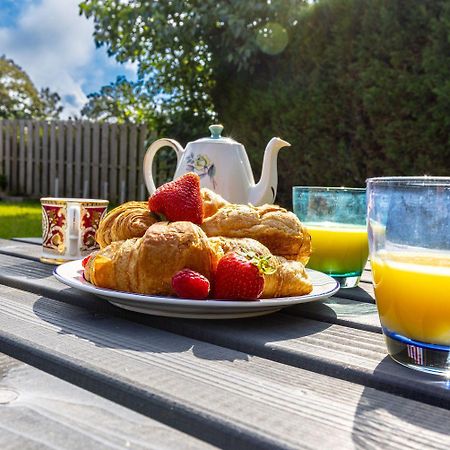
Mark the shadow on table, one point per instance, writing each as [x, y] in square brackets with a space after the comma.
[27, 269]
[357, 293]
[379, 414]
[237, 339]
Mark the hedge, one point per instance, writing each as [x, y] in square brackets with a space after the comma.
[362, 90]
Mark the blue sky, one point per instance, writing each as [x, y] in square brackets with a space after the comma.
[54, 44]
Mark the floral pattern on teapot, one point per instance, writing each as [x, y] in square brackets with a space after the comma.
[202, 166]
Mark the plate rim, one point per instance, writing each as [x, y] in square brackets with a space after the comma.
[83, 285]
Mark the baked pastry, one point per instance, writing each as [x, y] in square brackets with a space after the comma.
[147, 264]
[289, 277]
[275, 227]
[212, 202]
[128, 220]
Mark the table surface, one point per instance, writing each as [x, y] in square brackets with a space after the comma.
[77, 372]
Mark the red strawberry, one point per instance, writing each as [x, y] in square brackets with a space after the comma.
[85, 260]
[190, 284]
[240, 276]
[179, 199]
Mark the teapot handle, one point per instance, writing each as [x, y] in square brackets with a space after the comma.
[150, 154]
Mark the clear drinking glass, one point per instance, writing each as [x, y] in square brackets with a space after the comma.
[336, 219]
[409, 236]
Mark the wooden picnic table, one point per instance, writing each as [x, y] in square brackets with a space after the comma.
[77, 372]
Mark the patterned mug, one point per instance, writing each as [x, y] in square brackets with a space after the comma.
[69, 226]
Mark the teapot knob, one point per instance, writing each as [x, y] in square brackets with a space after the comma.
[216, 131]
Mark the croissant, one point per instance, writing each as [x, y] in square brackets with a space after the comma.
[275, 227]
[212, 202]
[146, 265]
[289, 278]
[128, 220]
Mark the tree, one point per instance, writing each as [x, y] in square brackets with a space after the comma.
[19, 98]
[181, 45]
[122, 101]
[51, 107]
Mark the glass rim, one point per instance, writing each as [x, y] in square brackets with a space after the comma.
[411, 180]
[328, 188]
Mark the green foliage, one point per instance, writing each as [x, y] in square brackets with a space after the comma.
[180, 45]
[19, 98]
[50, 101]
[121, 101]
[362, 90]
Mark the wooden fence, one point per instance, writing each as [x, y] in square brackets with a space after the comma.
[73, 159]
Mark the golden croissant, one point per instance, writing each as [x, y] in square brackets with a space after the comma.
[289, 278]
[275, 227]
[146, 265]
[132, 219]
[128, 220]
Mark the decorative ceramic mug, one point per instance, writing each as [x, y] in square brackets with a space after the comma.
[69, 226]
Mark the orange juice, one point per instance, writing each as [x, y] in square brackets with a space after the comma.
[413, 294]
[338, 249]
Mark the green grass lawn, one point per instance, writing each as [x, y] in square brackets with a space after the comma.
[20, 219]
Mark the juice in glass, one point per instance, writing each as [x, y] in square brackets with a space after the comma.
[409, 242]
[413, 294]
[338, 249]
[336, 220]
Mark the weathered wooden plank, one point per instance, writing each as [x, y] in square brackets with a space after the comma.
[336, 310]
[30, 158]
[364, 292]
[132, 164]
[113, 165]
[95, 166]
[69, 191]
[355, 353]
[142, 190]
[21, 162]
[224, 396]
[342, 311]
[104, 169]
[77, 168]
[61, 177]
[38, 166]
[14, 158]
[53, 173]
[123, 170]
[87, 146]
[45, 184]
[6, 127]
[20, 249]
[39, 410]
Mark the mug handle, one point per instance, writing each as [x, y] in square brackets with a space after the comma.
[150, 154]
[73, 220]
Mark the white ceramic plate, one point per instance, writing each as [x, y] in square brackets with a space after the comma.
[71, 273]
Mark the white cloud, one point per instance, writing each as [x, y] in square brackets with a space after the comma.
[54, 45]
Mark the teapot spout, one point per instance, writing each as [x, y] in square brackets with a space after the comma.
[265, 190]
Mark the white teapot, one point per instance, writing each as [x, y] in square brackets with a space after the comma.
[223, 167]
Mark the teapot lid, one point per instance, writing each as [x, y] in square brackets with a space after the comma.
[216, 138]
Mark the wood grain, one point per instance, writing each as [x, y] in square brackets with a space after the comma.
[95, 170]
[45, 185]
[339, 349]
[69, 160]
[31, 159]
[228, 398]
[22, 166]
[38, 410]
